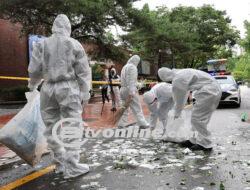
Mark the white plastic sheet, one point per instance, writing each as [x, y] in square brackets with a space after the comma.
[177, 130]
[23, 134]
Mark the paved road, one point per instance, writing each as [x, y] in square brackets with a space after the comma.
[147, 164]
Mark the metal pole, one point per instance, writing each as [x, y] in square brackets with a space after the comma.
[159, 59]
[173, 65]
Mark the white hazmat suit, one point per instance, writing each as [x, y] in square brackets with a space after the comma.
[159, 101]
[62, 62]
[129, 76]
[115, 78]
[208, 94]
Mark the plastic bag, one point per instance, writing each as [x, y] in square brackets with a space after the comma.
[23, 134]
[177, 130]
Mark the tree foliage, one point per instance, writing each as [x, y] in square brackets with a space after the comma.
[246, 41]
[192, 34]
[242, 65]
[90, 19]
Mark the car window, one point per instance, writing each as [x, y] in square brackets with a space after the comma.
[225, 80]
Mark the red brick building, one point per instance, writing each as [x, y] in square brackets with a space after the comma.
[13, 54]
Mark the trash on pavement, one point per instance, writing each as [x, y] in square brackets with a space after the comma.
[198, 188]
[186, 151]
[205, 168]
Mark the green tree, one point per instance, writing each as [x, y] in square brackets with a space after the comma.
[242, 66]
[246, 41]
[90, 19]
[193, 34]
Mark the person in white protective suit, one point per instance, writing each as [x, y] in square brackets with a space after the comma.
[207, 95]
[115, 78]
[159, 101]
[62, 62]
[128, 90]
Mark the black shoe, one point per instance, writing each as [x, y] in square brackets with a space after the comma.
[187, 144]
[197, 147]
[113, 109]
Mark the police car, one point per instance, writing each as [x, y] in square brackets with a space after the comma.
[230, 90]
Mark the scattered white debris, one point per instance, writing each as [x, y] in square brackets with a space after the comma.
[85, 186]
[95, 164]
[205, 168]
[149, 166]
[15, 166]
[138, 175]
[108, 168]
[174, 160]
[118, 141]
[114, 151]
[210, 164]
[194, 157]
[130, 151]
[144, 151]
[198, 188]
[93, 177]
[62, 181]
[133, 162]
[94, 183]
[195, 176]
[186, 151]
[178, 164]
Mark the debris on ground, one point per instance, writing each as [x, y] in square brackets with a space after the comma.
[244, 117]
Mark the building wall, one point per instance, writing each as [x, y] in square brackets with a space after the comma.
[13, 54]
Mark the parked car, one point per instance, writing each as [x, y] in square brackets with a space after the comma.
[230, 90]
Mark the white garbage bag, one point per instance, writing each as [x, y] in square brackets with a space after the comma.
[177, 130]
[23, 134]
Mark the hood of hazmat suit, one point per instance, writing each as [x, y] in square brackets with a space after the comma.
[61, 25]
[166, 74]
[63, 64]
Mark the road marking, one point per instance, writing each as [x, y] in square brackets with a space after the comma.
[28, 178]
